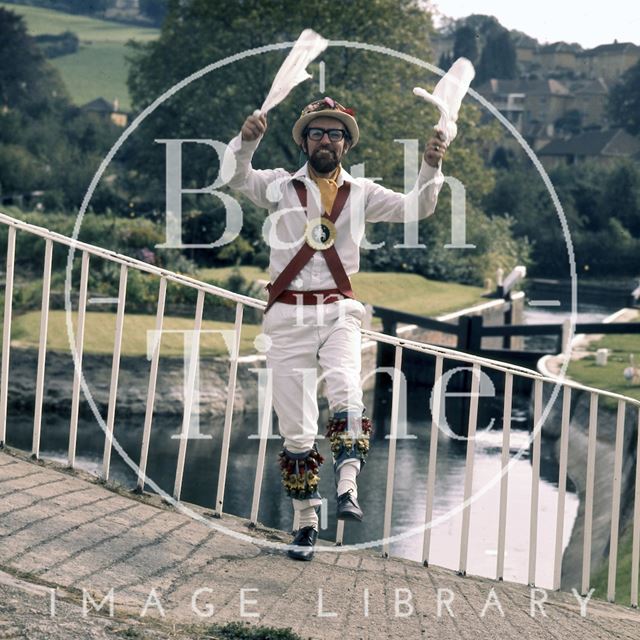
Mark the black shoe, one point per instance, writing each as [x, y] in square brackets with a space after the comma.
[304, 541]
[348, 507]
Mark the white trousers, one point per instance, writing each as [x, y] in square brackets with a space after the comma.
[310, 344]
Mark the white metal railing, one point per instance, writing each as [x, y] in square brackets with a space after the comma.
[440, 355]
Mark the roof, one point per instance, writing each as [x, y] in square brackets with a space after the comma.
[99, 104]
[529, 87]
[560, 47]
[611, 143]
[613, 48]
[590, 87]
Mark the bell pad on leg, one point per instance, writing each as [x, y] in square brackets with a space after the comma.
[349, 437]
[300, 475]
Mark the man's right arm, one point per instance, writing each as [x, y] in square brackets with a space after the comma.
[237, 171]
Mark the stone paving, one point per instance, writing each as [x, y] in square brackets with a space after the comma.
[68, 541]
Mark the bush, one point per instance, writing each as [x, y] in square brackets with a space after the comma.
[239, 631]
[61, 44]
[136, 238]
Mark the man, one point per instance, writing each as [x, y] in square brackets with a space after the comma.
[312, 318]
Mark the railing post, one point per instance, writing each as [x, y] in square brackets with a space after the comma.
[535, 480]
[188, 396]
[6, 332]
[588, 512]
[468, 468]
[42, 348]
[79, 347]
[615, 503]
[151, 390]
[262, 449]
[384, 361]
[436, 413]
[635, 545]
[393, 438]
[562, 484]
[504, 481]
[228, 416]
[115, 371]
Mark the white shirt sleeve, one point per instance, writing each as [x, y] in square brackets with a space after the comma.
[237, 173]
[386, 205]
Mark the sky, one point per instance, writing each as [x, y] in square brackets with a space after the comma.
[588, 22]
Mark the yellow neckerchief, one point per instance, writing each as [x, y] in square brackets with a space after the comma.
[328, 187]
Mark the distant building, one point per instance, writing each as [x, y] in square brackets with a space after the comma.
[558, 57]
[442, 46]
[107, 110]
[590, 99]
[525, 53]
[604, 146]
[528, 103]
[608, 61]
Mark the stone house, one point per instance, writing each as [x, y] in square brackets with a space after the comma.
[605, 146]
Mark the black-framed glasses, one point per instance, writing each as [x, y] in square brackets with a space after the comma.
[316, 134]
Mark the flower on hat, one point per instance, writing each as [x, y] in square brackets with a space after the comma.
[327, 103]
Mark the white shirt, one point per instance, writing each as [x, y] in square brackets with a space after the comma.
[284, 230]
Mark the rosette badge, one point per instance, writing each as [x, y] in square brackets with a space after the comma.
[320, 233]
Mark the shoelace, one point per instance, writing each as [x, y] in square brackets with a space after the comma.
[306, 536]
[347, 497]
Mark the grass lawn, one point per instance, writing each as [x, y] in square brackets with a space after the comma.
[609, 377]
[98, 68]
[623, 572]
[41, 21]
[100, 331]
[404, 291]
[408, 292]
[414, 294]
[220, 274]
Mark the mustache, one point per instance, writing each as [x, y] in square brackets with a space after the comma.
[329, 149]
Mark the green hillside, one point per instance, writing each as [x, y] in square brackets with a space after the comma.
[99, 67]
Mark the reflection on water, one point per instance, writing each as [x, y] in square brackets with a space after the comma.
[202, 463]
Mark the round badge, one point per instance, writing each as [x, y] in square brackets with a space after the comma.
[320, 234]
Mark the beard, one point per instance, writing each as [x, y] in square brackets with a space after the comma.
[324, 160]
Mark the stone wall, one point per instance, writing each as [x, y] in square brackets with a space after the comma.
[214, 375]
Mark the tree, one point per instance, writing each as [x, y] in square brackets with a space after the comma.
[155, 10]
[45, 142]
[195, 34]
[465, 44]
[621, 198]
[498, 59]
[445, 61]
[570, 123]
[378, 86]
[624, 100]
[25, 77]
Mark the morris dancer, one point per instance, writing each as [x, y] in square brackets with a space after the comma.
[312, 316]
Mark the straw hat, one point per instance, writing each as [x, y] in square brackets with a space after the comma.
[329, 108]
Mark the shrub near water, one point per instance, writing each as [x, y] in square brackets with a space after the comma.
[134, 237]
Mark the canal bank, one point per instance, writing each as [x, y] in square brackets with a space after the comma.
[213, 374]
[603, 494]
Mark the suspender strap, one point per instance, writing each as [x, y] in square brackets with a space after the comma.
[306, 252]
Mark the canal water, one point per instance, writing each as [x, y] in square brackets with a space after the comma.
[202, 463]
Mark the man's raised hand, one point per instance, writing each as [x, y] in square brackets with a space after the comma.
[436, 148]
[254, 127]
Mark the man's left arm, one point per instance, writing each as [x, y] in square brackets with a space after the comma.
[386, 205]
